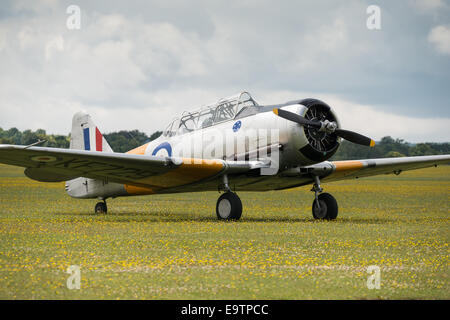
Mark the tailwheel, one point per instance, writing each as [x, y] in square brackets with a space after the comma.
[101, 207]
[325, 207]
[229, 206]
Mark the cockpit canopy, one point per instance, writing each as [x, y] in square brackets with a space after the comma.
[222, 110]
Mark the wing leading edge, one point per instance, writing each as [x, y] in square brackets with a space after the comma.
[143, 174]
[54, 164]
[370, 167]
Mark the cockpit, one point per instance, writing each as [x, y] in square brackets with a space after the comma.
[206, 116]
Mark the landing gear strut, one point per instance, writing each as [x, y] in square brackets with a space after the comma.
[101, 207]
[324, 205]
[229, 206]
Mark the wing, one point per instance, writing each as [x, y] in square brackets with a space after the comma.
[53, 164]
[340, 170]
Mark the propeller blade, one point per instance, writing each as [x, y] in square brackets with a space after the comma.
[355, 137]
[295, 118]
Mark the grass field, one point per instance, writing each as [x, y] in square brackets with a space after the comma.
[172, 246]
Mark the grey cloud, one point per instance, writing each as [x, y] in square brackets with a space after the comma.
[169, 56]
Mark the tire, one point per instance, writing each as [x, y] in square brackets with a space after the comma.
[101, 207]
[229, 207]
[328, 207]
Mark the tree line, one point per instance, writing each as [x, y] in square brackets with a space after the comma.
[389, 148]
[124, 140]
[120, 141]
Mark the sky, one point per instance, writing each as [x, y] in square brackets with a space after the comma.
[138, 64]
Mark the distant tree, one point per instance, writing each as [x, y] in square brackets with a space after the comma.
[5, 141]
[388, 147]
[41, 132]
[422, 149]
[61, 141]
[442, 148]
[155, 135]
[123, 141]
[29, 137]
[12, 131]
[14, 135]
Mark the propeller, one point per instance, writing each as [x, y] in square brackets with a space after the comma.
[355, 137]
[327, 126]
[296, 118]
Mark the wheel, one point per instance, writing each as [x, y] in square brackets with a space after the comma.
[328, 207]
[229, 207]
[101, 207]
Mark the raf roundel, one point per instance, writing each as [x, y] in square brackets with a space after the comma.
[237, 126]
[163, 146]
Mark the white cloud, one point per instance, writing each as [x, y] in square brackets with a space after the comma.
[56, 44]
[109, 25]
[329, 37]
[440, 37]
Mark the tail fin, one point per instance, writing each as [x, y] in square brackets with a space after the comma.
[86, 136]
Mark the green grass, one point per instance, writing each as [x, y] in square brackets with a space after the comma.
[172, 246]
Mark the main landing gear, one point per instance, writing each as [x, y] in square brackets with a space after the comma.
[229, 206]
[101, 207]
[324, 205]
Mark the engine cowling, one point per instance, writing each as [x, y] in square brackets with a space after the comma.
[321, 145]
[314, 131]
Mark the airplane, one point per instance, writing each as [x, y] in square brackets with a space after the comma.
[281, 146]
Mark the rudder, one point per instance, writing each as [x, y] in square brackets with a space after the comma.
[85, 134]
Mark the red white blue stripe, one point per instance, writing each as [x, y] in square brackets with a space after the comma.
[93, 140]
